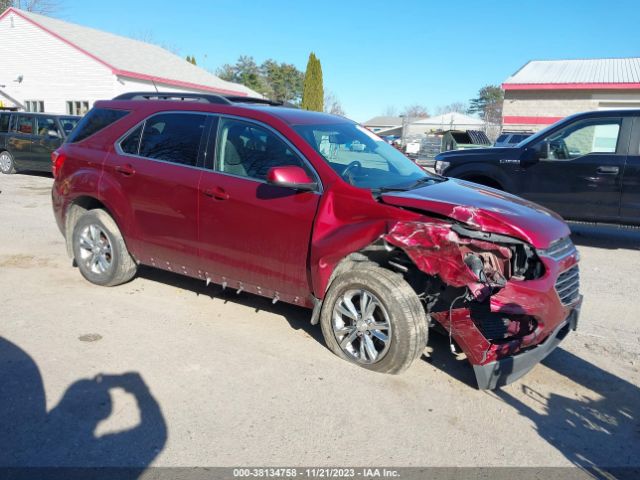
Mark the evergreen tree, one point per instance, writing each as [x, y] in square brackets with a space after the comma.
[313, 91]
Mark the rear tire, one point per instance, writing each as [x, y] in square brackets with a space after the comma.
[7, 165]
[99, 250]
[359, 304]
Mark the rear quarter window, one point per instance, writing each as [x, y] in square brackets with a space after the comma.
[4, 122]
[95, 120]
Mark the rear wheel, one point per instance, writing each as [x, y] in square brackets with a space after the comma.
[373, 318]
[99, 250]
[7, 166]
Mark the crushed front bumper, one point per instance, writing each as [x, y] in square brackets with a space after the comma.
[507, 370]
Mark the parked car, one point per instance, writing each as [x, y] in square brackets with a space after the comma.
[511, 139]
[586, 167]
[28, 139]
[272, 201]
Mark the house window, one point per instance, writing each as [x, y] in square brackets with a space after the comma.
[77, 107]
[34, 105]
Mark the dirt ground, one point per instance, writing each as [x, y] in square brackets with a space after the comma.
[167, 371]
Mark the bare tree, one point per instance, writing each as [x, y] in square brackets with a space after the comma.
[332, 104]
[44, 7]
[415, 111]
[147, 36]
[390, 111]
[457, 107]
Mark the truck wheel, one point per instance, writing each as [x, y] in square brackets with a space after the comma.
[99, 250]
[373, 318]
[7, 165]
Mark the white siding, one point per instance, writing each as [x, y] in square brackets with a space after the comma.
[52, 70]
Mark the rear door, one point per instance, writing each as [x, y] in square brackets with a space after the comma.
[630, 198]
[48, 138]
[253, 233]
[578, 172]
[158, 167]
[20, 139]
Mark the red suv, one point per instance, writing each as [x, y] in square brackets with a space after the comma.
[277, 202]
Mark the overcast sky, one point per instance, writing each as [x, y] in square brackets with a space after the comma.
[375, 53]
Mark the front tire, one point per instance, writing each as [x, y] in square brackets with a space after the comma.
[99, 250]
[372, 317]
[7, 165]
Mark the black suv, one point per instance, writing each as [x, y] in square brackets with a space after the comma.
[28, 139]
[586, 167]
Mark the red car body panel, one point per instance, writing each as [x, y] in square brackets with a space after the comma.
[271, 241]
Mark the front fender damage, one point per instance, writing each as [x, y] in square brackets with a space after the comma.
[499, 317]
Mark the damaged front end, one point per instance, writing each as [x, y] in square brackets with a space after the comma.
[503, 303]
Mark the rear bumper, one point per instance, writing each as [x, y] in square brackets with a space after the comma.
[507, 370]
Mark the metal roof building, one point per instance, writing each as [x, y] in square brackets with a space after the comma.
[61, 67]
[544, 91]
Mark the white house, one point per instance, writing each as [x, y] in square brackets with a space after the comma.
[59, 67]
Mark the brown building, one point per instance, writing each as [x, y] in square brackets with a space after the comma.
[543, 92]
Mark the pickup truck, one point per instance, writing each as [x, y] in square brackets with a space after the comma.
[585, 167]
[28, 139]
[276, 202]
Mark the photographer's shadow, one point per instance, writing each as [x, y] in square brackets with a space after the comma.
[66, 435]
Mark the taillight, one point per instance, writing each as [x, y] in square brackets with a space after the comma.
[57, 159]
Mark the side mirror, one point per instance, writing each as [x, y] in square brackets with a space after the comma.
[544, 150]
[290, 176]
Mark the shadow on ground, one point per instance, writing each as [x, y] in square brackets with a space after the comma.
[298, 317]
[605, 236]
[598, 431]
[65, 436]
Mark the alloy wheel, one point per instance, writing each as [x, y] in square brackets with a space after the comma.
[95, 249]
[361, 326]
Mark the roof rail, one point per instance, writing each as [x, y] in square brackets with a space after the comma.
[193, 97]
[263, 101]
[199, 97]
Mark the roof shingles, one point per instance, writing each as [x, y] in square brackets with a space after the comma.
[133, 58]
[604, 71]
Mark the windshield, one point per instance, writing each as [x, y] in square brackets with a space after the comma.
[68, 124]
[362, 158]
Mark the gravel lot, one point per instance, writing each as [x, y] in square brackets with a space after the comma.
[166, 371]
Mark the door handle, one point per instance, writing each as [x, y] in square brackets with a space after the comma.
[608, 170]
[217, 193]
[126, 170]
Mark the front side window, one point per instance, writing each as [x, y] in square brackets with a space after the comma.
[248, 150]
[68, 124]
[25, 124]
[47, 127]
[582, 138]
[362, 158]
[173, 137]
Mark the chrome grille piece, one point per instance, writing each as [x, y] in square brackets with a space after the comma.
[559, 249]
[568, 285]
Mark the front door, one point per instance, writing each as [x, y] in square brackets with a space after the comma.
[578, 170]
[630, 198]
[157, 170]
[250, 231]
[48, 138]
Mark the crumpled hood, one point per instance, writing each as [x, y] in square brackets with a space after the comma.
[485, 208]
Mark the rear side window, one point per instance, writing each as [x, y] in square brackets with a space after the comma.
[173, 137]
[4, 122]
[25, 124]
[94, 121]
